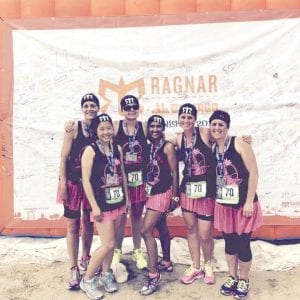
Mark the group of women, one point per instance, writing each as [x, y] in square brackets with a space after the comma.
[127, 165]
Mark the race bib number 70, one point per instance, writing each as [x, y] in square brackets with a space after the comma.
[134, 179]
[230, 195]
[196, 190]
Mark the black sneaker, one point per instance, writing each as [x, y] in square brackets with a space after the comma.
[150, 285]
[229, 286]
[168, 267]
[242, 289]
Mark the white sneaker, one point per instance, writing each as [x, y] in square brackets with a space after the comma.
[91, 289]
[108, 281]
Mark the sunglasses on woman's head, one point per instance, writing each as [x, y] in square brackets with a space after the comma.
[130, 107]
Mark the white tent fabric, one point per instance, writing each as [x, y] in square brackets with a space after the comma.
[266, 256]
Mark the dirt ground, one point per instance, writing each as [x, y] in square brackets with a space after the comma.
[47, 282]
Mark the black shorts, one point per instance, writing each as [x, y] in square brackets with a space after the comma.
[73, 214]
[200, 217]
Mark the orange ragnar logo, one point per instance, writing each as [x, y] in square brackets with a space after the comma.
[161, 86]
[184, 84]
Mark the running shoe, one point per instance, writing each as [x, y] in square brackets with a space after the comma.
[108, 281]
[164, 266]
[140, 259]
[90, 288]
[228, 288]
[74, 279]
[84, 262]
[150, 285]
[191, 274]
[242, 289]
[209, 276]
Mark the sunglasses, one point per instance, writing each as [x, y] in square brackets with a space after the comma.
[130, 107]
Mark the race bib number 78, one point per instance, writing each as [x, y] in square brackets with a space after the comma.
[114, 194]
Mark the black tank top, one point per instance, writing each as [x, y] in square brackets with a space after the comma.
[107, 191]
[135, 153]
[236, 173]
[74, 159]
[203, 166]
[158, 172]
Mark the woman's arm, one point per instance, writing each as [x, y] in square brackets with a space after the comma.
[87, 161]
[116, 127]
[205, 135]
[124, 176]
[65, 152]
[172, 161]
[249, 160]
[144, 126]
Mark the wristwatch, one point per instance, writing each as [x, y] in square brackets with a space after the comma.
[176, 199]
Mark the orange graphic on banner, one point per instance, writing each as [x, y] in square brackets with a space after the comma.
[121, 90]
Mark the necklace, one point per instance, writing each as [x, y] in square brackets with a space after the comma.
[221, 156]
[188, 152]
[154, 148]
[109, 156]
[86, 129]
[131, 138]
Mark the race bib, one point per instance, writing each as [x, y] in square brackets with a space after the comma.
[229, 194]
[131, 156]
[114, 195]
[134, 179]
[148, 189]
[196, 190]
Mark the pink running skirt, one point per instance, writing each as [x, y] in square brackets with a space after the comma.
[111, 215]
[231, 220]
[76, 197]
[160, 202]
[137, 194]
[200, 206]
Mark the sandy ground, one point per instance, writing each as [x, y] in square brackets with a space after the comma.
[47, 282]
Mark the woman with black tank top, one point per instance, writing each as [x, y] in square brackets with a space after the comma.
[105, 186]
[161, 189]
[237, 210]
[70, 192]
[130, 134]
[197, 193]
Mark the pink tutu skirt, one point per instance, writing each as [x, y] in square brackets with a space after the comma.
[231, 220]
[137, 194]
[111, 215]
[201, 206]
[160, 202]
[76, 195]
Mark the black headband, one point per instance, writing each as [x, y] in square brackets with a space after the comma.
[188, 108]
[158, 119]
[89, 97]
[99, 119]
[220, 115]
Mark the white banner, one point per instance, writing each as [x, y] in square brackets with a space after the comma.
[250, 69]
